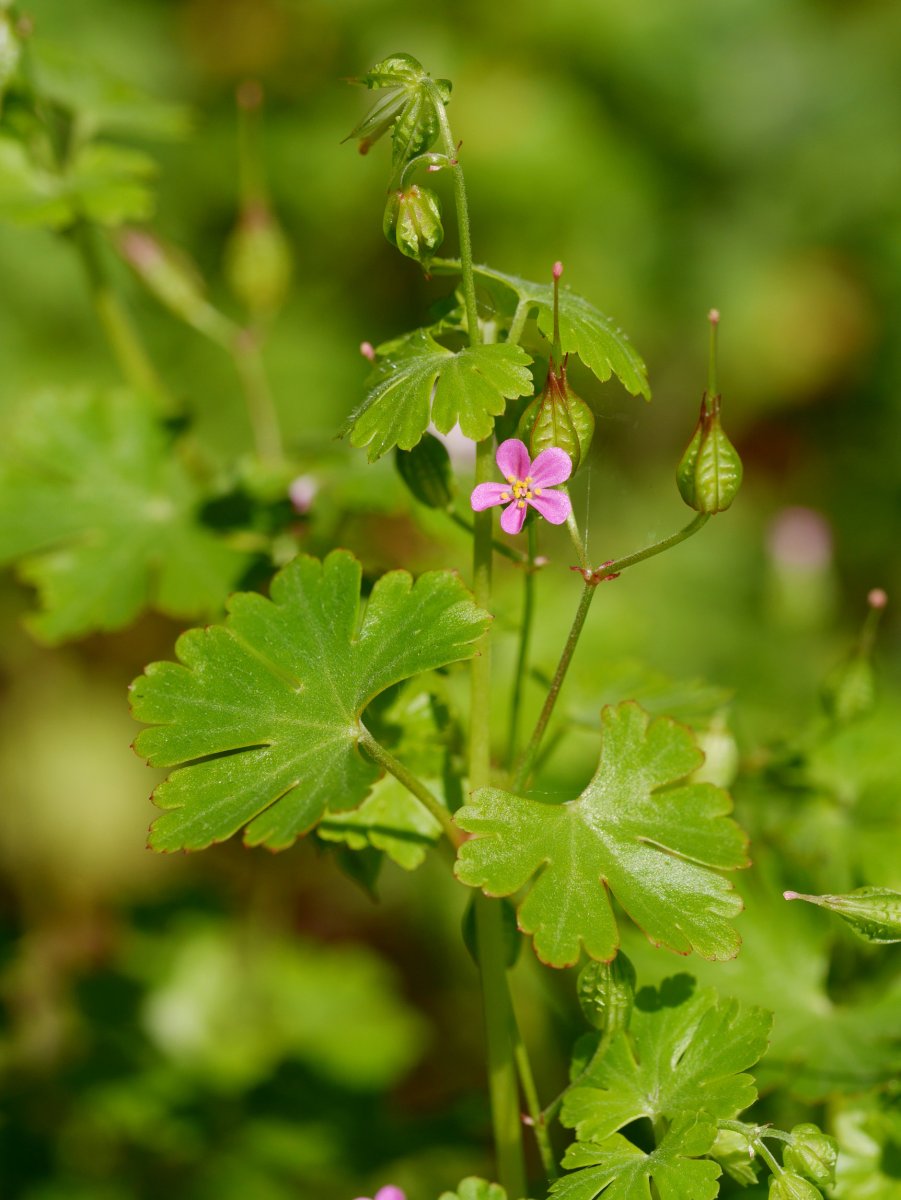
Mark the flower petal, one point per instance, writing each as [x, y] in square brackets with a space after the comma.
[552, 466]
[553, 506]
[512, 518]
[488, 494]
[513, 459]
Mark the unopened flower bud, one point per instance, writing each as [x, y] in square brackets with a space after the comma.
[789, 1186]
[413, 222]
[258, 262]
[811, 1153]
[873, 913]
[606, 992]
[849, 690]
[558, 417]
[710, 471]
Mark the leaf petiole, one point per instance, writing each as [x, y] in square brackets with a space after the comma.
[413, 785]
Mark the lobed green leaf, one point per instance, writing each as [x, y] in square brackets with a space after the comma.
[263, 714]
[682, 1052]
[639, 830]
[101, 517]
[618, 1170]
[418, 381]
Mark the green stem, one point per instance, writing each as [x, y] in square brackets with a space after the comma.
[530, 1093]
[768, 1157]
[121, 334]
[498, 546]
[524, 770]
[466, 270]
[518, 324]
[525, 633]
[496, 1004]
[502, 1075]
[413, 785]
[577, 540]
[248, 359]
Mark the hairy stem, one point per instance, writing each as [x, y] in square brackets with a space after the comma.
[525, 633]
[524, 770]
[466, 271]
[415, 786]
[536, 1117]
[248, 359]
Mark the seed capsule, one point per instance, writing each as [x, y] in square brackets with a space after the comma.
[710, 471]
[606, 992]
[413, 222]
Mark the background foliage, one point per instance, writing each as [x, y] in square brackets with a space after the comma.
[171, 1023]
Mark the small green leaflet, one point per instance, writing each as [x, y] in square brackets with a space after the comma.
[682, 1053]
[638, 830]
[417, 381]
[262, 713]
[584, 331]
[617, 1170]
[102, 517]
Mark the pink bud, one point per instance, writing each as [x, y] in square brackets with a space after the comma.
[301, 492]
[714, 316]
[368, 350]
[557, 270]
[878, 598]
[389, 1193]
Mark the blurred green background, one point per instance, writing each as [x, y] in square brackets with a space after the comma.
[202, 1027]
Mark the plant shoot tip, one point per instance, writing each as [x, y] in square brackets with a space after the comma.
[791, 895]
[714, 316]
[368, 351]
[557, 270]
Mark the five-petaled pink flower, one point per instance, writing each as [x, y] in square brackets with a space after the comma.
[388, 1193]
[527, 484]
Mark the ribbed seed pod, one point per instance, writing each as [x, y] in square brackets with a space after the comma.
[606, 992]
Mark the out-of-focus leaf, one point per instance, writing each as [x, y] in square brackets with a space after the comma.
[101, 101]
[618, 1170]
[473, 1188]
[229, 1008]
[682, 1052]
[262, 713]
[101, 517]
[868, 1130]
[105, 183]
[416, 381]
[638, 830]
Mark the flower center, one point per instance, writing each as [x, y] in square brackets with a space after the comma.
[521, 490]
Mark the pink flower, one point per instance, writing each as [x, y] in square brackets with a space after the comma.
[387, 1193]
[527, 484]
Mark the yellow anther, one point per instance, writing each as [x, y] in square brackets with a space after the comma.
[511, 479]
[528, 479]
[537, 491]
[521, 504]
[506, 496]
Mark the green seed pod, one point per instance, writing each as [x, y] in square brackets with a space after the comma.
[606, 992]
[873, 913]
[710, 471]
[788, 1186]
[258, 262]
[558, 417]
[811, 1153]
[413, 222]
[426, 470]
